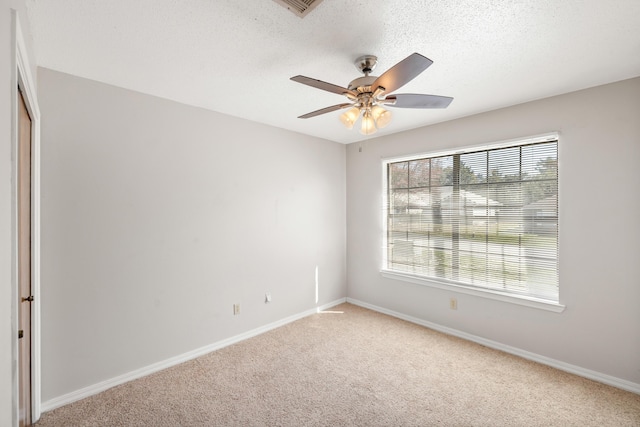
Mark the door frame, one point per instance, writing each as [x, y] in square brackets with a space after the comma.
[23, 79]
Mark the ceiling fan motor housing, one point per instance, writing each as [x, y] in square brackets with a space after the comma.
[362, 84]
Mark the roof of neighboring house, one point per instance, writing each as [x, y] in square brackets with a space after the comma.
[467, 198]
[550, 202]
[476, 199]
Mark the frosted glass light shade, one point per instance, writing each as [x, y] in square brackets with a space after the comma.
[349, 117]
[368, 124]
[381, 116]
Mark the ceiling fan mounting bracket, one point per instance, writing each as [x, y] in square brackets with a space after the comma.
[366, 63]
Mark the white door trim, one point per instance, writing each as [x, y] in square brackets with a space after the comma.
[24, 79]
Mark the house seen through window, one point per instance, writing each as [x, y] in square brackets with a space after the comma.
[486, 219]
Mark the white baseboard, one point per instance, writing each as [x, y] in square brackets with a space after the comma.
[82, 393]
[573, 369]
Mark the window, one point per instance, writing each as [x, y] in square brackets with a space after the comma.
[484, 219]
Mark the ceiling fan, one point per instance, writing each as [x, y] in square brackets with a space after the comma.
[368, 94]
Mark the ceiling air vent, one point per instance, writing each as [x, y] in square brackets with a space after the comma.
[299, 7]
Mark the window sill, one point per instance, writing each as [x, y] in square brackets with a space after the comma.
[484, 293]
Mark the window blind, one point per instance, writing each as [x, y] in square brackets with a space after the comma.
[485, 218]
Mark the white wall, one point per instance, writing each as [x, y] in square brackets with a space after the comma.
[599, 182]
[8, 327]
[157, 217]
[6, 225]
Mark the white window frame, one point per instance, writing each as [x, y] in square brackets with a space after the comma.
[440, 283]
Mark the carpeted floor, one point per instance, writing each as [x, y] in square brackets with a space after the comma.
[355, 367]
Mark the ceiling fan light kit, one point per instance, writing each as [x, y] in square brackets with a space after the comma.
[368, 94]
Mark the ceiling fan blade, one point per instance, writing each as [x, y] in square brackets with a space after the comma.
[325, 110]
[323, 85]
[402, 73]
[414, 100]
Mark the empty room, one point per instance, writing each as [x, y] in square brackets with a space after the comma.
[314, 213]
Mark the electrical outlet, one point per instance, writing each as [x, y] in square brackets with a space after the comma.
[236, 309]
[453, 304]
[267, 297]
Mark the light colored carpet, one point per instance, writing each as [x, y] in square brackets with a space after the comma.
[355, 367]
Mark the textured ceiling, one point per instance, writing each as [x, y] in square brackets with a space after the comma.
[236, 57]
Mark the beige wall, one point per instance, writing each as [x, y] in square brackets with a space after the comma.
[599, 151]
[157, 217]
